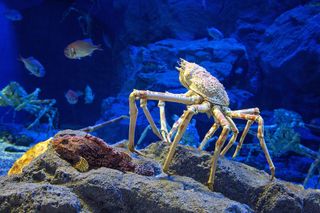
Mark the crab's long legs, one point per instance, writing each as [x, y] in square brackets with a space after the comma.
[260, 135]
[149, 95]
[155, 130]
[254, 111]
[186, 117]
[163, 121]
[174, 127]
[219, 144]
[235, 131]
[244, 134]
[209, 134]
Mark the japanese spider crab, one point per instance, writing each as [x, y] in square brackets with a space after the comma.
[205, 95]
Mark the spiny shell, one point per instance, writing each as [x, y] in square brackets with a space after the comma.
[204, 84]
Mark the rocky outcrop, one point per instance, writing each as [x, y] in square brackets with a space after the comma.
[239, 181]
[50, 184]
[290, 50]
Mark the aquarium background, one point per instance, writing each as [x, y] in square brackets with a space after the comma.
[266, 53]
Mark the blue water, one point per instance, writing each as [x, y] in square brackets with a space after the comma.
[266, 55]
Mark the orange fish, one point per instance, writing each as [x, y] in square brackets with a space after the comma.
[80, 49]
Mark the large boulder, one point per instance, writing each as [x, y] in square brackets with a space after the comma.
[51, 184]
[289, 56]
[239, 181]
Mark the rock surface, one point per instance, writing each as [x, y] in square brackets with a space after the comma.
[239, 181]
[290, 50]
[50, 184]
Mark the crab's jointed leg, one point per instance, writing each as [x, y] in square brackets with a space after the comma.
[163, 121]
[186, 117]
[208, 135]
[260, 135]
[150, 95]
[235, 131]
[155, 130]
[254, 111]
[244, 134]
[174, 127]
[219, 144]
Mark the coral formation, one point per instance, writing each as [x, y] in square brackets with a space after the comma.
[13, 95]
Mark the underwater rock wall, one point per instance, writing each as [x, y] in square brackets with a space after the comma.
[289, 55]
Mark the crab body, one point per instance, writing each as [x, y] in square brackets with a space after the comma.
[197, 79]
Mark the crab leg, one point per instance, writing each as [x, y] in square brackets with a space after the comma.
[174, 128]
[244, 134]
[254, 111]
[149, 95]
[186, 117]
[163, 121]
[209, 134]
[259, 120]
[235, 131]
[143, 105]
[219, 144]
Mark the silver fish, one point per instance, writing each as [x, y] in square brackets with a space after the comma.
[215, 33]
[88, 95]
[34, 66]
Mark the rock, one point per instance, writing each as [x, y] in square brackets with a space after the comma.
[84, 152]
[106, 190]
[31, 197]
[290, 50]
[239, 181]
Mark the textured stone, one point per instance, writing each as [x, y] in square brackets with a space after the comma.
[31, 197]
[239, 181]
[289, 55]
[107, 190]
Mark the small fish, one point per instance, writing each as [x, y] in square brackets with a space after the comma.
[215, 33]
[88, 95]
[34, 66]
[13, 15]
[72, 96]
[80, 49]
